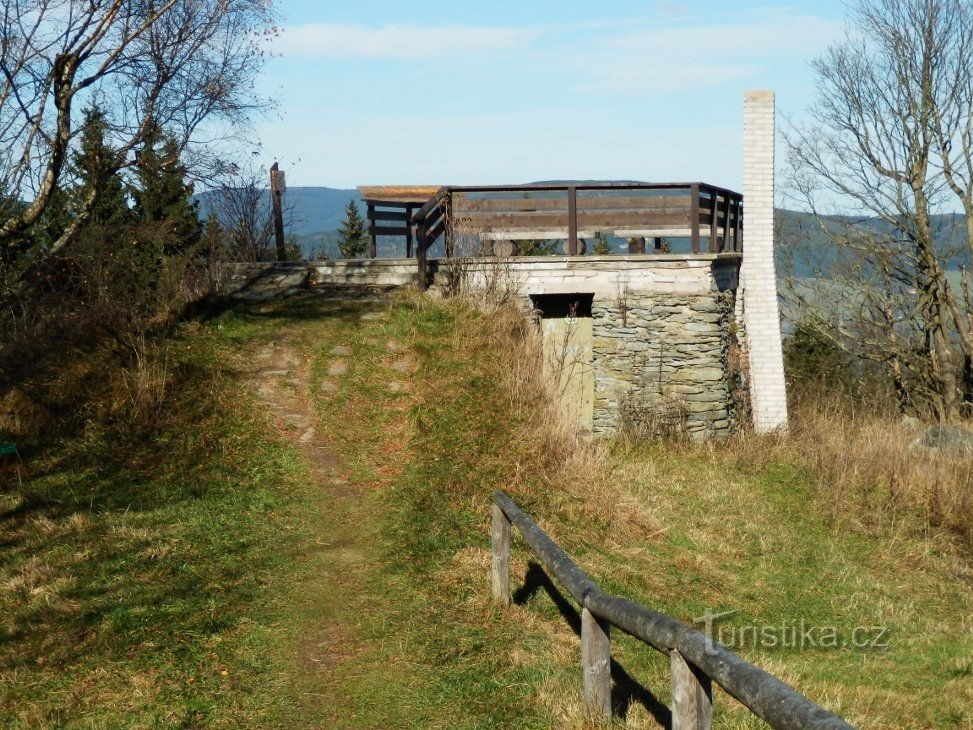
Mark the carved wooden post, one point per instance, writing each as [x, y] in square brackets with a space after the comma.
[501, 557]
[596, 666]
[692, 695]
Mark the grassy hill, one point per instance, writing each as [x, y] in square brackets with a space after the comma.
[281, 518]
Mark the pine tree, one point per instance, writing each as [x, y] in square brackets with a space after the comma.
[95, 166]
[163, 198]
[351, 241]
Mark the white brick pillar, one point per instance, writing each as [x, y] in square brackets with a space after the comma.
[758, 283]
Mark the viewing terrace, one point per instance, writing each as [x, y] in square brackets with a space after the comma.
[687, 218]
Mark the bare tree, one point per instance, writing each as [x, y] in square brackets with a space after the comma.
[172, 64]
[889, 146]
[242, 207]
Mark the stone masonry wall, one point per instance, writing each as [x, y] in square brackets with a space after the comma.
[660, 362]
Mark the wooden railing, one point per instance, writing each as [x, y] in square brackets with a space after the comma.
[695, 660]
[573, 212]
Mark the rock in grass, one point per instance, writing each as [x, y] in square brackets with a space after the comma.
[950, 439]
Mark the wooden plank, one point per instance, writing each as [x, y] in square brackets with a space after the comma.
[660, 232]
[390, 215]
[434, 232]
[500, 540]
[418, 194]
[520, 234]
[713, 215]
[638, 202]
[692, 695]
[598, 220]
[465, 205]
[596, 666]
[389, 230]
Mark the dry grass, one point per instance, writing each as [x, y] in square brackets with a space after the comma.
[551, 452]
[868, 470]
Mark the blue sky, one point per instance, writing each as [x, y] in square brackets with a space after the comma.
[381, 92]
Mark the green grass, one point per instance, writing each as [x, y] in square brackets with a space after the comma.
[200, 573]
[139, 563]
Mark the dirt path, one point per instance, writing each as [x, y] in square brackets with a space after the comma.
[280, 377]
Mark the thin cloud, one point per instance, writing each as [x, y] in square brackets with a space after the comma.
[694, 57]
[671, 10]
[409, 42]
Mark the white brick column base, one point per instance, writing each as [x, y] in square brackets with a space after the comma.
[768, 395]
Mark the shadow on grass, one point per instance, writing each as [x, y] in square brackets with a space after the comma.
[300, 307]
[626, 690]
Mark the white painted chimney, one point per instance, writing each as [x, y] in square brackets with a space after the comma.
[758, 283]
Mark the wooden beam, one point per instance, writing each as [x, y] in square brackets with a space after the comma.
[408, 232]
[692, 695]
[372, 243]
[596, 666]
[694, 218]
[500, 540]
[572, 221]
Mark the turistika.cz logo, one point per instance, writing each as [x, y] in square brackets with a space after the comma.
[790, 634]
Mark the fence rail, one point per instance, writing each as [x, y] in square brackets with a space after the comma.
[695, 660]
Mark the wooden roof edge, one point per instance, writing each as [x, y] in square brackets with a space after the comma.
[404, 193]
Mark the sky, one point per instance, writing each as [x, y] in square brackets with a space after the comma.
[381, 92]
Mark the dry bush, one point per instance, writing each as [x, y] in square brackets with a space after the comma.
[473, 271]
[146, 379]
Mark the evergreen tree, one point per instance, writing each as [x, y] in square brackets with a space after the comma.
[95, 165]
[351, 235]
[601, 246]
[163, 199]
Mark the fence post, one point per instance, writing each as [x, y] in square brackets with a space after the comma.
[692, 695]
[501, 557]
[596, 666]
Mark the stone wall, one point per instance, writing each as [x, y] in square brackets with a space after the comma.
[661, 364]
[270, 280]
[263, 281]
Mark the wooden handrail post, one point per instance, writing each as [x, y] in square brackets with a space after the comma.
[572, 221]
[596, 666]
[422, 244]
[692, 695]
[372, 238]
[694, 217]
[501, 557]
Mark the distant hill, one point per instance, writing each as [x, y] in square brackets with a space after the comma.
[802, 235]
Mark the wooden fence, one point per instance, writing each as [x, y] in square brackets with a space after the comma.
[695, 660]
